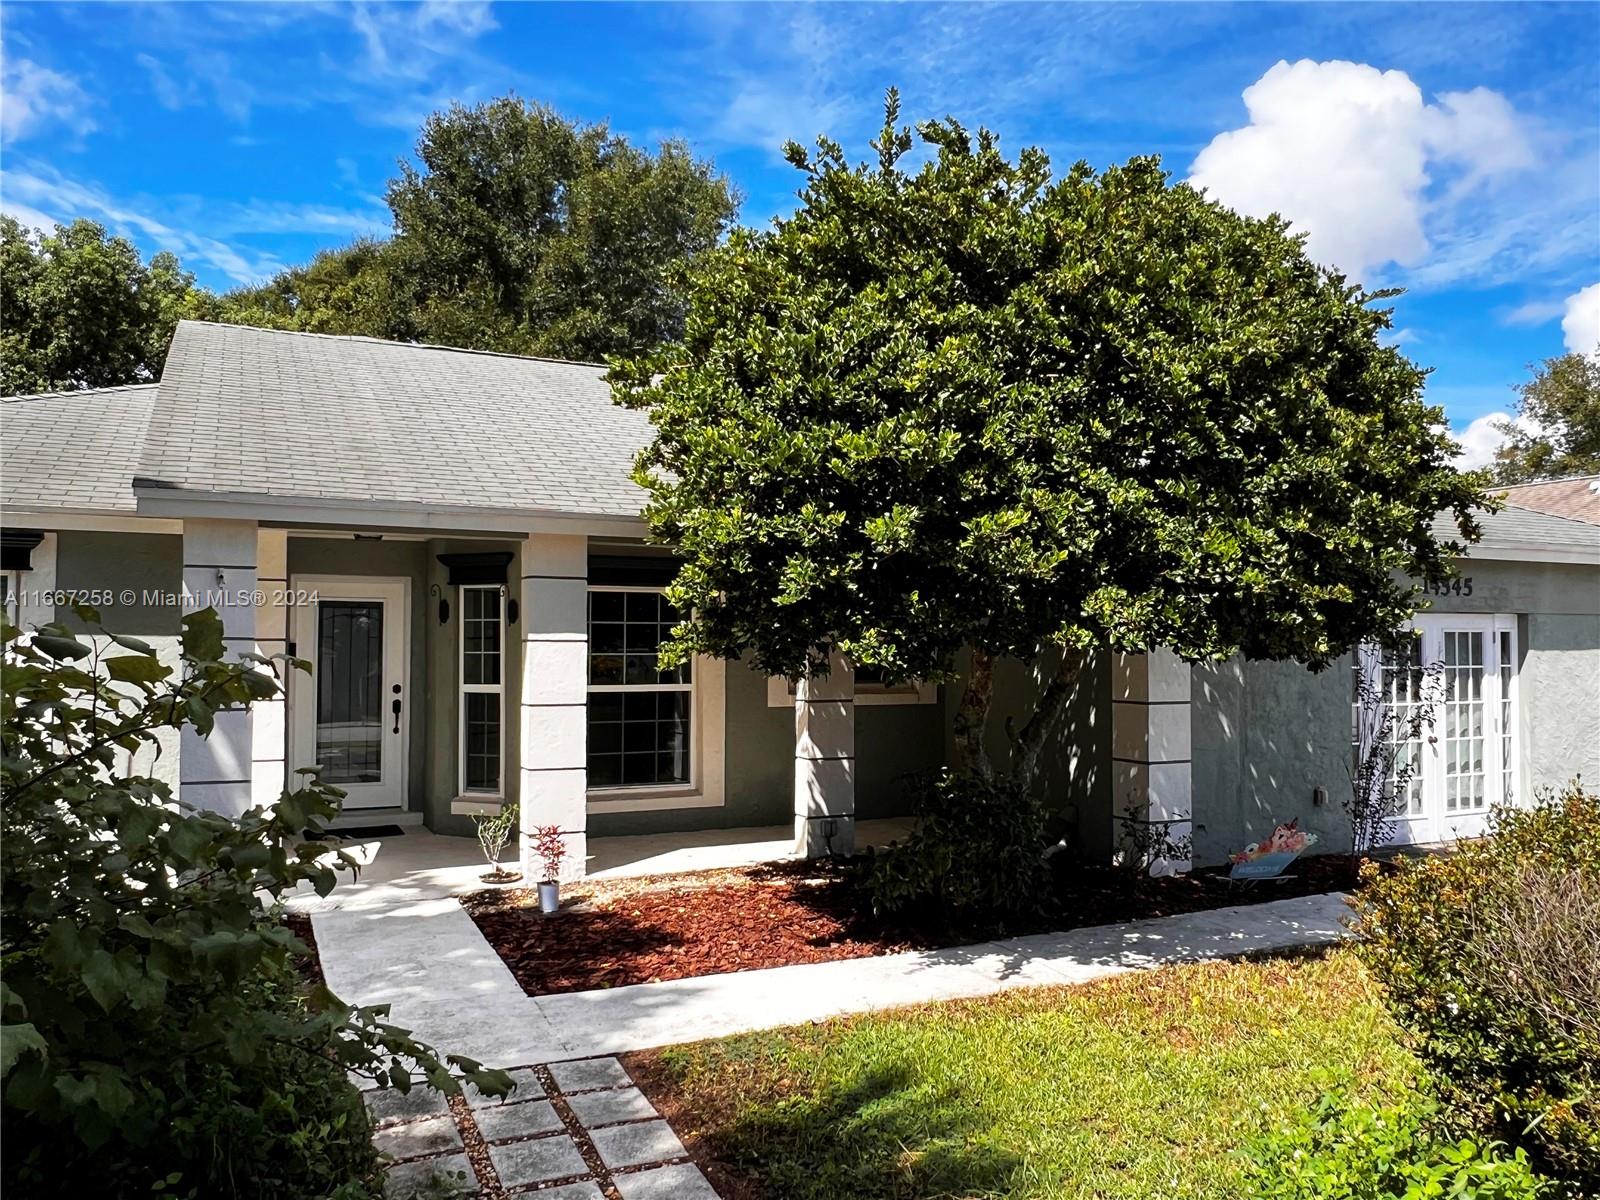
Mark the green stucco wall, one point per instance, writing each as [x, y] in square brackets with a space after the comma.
[145, 563]
[1266, 734]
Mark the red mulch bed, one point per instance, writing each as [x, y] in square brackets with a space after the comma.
[614, 933]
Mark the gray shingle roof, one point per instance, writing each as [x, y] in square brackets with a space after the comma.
[312, 416]
[73, 451]
[1517, 527]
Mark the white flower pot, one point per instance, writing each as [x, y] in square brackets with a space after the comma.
[549, 897]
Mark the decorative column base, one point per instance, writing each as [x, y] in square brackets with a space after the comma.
[1152, 789]
[825, 762]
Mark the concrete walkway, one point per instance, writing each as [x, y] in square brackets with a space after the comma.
[444, 982]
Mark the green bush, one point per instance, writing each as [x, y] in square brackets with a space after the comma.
[977, 851]
[1489, 957]
[155, 1040]
[1342, 1151]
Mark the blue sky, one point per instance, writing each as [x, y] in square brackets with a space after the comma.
[1451, 150]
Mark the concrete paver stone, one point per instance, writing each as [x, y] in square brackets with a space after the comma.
[631, 1145]
[537, 1161]
[430, 1177]
[610, 1107]
[389, 1105]
[431, 1136]
[589, 1073]
[517, 1120]
[681, 1181]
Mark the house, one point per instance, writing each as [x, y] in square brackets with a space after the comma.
[453, 540]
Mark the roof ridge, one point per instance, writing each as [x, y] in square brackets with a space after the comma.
[1506, 487]
[377, 341]
[77, 392]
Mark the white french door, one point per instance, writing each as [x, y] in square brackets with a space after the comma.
[1467, 757]
[350, 717]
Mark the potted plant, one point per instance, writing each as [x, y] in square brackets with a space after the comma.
[494, 831]
[550, 850]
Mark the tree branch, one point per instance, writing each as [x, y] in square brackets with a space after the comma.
[972, 717]
[1027, 745]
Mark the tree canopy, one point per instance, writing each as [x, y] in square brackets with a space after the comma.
[83, 310]
[968, 404]
[516, 230]
[1558, 431]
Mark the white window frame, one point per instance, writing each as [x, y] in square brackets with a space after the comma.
[464, 689]
[681, 794]
[780, 693]
[1502, 706]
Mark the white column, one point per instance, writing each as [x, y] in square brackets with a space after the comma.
[1150, 742]
[555, 694]
[825, 762]
[219, 571]
[269, 718]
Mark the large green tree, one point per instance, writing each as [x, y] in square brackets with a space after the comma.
[519, 230]
[81, 309]
[1558, 430]
[969, 405]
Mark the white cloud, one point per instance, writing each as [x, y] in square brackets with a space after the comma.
[1479, 441]
[41, 191]
[1348, 154]
[33, 98]
[1580, 326]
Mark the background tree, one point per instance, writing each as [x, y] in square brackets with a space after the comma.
[1558, 428]
[516, 230]
[969, 406]
[82, 310]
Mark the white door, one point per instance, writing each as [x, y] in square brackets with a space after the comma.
[350, 716]
[1467, 757]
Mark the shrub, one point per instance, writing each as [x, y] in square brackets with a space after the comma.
[1487, 958]
[1344, 1151]
[977, 850]
[155, 1042]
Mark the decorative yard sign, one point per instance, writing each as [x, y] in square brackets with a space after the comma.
[1268, 859]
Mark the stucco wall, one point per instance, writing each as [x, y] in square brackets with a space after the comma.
[1266, 734]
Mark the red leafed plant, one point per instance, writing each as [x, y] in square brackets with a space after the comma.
[549, 849]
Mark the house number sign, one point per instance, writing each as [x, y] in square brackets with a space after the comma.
[1460, 586]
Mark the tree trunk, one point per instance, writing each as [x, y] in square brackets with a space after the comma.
[972, 718]
[1047, 714]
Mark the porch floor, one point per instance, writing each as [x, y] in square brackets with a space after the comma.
[421, 865]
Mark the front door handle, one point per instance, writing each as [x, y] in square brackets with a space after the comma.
[395, 708]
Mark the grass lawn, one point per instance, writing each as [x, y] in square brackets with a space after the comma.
[1141, 1086]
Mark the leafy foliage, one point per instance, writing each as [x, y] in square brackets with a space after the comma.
[1511, 1049]
[1344, 1151]
[82, 310]
[494, 830]
[968, 404]
[1562, 402]
[977, 850]
[520, 231]
[153, 1041]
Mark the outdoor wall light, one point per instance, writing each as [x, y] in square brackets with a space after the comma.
[444, 603]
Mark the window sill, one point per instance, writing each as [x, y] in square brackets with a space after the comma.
[614, 800]
[470, 805]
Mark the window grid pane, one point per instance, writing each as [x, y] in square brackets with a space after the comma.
[1464, 776]
[1507, 791]
[639, 725]
[1401, 680]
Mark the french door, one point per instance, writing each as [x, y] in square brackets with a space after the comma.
[350, 717]
[1466, 758]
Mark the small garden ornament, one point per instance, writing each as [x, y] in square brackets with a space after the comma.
[550, 850]
[494, 831]
[1267, 859]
